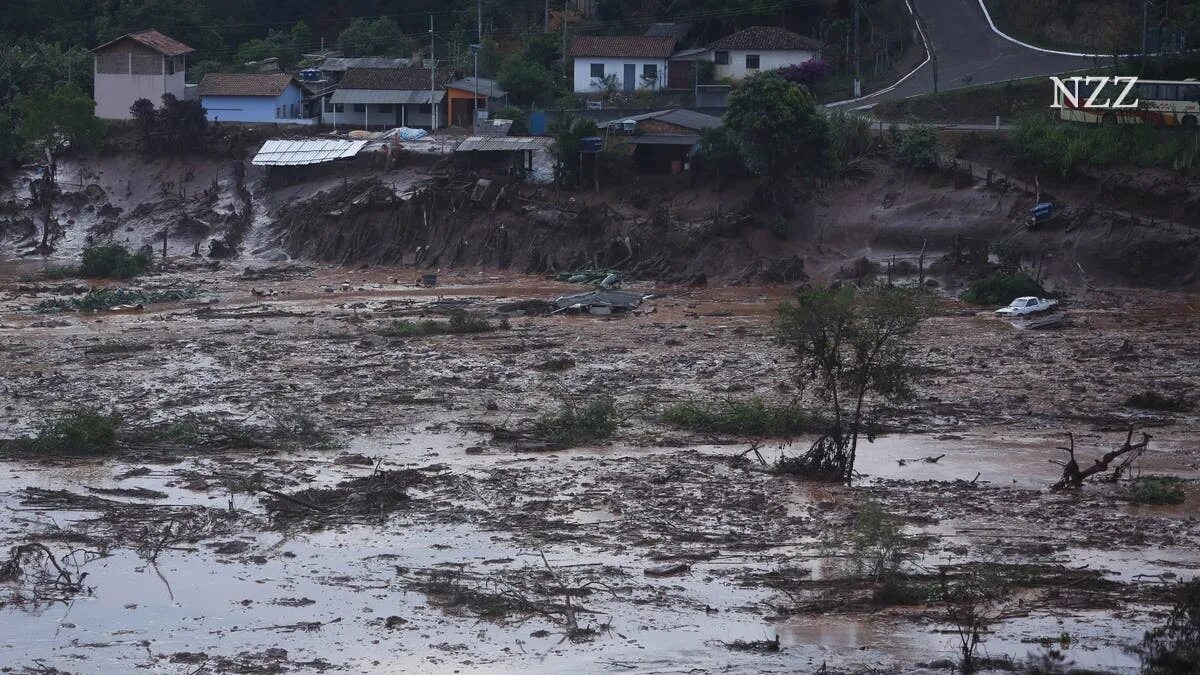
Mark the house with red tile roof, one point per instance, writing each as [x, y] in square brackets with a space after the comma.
[146, 64]
[629, 62]
[760, 48]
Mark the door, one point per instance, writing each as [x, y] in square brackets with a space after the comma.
[630, 80]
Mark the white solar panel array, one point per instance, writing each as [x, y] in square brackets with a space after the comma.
[306, 151]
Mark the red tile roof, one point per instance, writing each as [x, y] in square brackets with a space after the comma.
[244, 84]
[767, 38]
[154, 40]
[623, 46]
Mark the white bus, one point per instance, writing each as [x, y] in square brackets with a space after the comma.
[1163, 103]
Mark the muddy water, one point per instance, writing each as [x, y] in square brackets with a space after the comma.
[601, 514]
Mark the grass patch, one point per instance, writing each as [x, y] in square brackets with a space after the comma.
[576, 424]
[113, 261]
[89, 431]
[107, 298]
[78, 431]
[1156, 490]
[460, 322]
[971, 105]
[1000, 288]
[751, 417]
[1153, 400]
[1052, 144]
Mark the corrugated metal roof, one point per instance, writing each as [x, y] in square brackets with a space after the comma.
[285, 152]
[681, 117]
[662, 140]
[486, 87]
[339, 64]
[501, 143]
[385, 96]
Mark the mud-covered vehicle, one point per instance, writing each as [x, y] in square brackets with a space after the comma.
[1026, 305]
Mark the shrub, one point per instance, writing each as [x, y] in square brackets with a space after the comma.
[1000, 288]
[917, 146]
[79, 431]
[575, 424]
[752, 417]
[460, 322]
[1156, 490]
[1174, 647]
[877, 546]
[113, 261]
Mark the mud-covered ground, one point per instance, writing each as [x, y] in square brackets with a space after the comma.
[422, 531]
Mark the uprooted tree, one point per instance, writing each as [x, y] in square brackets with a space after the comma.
[1125, 457]
[850, 343]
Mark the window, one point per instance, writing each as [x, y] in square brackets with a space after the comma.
[650, 73]
[598, 70]
[721, 58]
[339, 107]
[386, 108]
[170, 66]
[279, 112]
[752, 62]
[330, 106]
[425, 109]
[360, 107]
[1168, 92]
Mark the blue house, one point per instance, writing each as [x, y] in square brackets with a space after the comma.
[269, 98]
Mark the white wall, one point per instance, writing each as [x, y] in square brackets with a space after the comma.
[585, 83]
[116, 92]
[768, 59]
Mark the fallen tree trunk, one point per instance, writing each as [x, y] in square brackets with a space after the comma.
[1073, 476]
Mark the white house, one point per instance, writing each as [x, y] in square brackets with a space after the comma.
[760, 48]
[630, 62]
[145, 65]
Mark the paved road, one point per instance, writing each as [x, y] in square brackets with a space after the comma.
[966, 47]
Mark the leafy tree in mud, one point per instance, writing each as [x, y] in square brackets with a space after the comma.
[849, 343]
[781, 136]
[569, 133]
[1174, 647]
[48, 123]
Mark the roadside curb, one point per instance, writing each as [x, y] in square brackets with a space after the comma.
[897, 83]
[992, 24]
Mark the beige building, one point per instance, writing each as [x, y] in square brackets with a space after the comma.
[145, 65]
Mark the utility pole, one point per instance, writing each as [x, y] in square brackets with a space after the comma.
[547, 19]
[857, 74]
[563, 19]
[432, 80]
[478, 45]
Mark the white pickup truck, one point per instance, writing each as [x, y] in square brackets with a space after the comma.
[1026, 305]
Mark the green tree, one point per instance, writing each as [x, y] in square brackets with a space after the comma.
[849, 343]
[568, 134]
[381, 37]
[525, 81]
[49, 122]
[780, 134]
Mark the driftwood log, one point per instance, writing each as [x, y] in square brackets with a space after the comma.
[1073, 476]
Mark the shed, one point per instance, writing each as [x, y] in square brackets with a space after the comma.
[509, 154]
[661, 141]
[463, 100]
